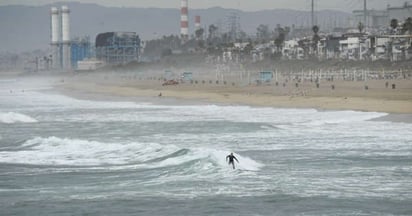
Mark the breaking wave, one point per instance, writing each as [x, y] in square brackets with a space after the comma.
[55, 151]
[12, 117]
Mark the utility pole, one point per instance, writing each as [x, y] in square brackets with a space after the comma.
[364, 13]
[313, 13]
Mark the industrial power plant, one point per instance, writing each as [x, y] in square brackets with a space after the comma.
[110, 48]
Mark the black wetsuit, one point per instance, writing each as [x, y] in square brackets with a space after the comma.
[231, 161]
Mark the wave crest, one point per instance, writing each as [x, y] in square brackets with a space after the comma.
[55, 151]
[12, 117]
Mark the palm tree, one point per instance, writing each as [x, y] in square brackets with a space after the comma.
[315, 38]
[199, 37]
[199, 33]
[287, 30]
[315, 29]
[262, 32]
[280, 38]
[212, 31]
[394, 24]
[407, 26]
[360, 27]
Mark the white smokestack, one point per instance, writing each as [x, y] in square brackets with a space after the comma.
[65, 24]
[55, 29]
[66, 37]
[54, 25]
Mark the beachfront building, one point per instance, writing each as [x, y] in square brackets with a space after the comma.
[400, 47]
[353, 48]
[380, 47]
[331, 49]
[117, 47]
[291, 50]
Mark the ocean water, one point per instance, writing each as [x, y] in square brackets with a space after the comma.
[65, 156]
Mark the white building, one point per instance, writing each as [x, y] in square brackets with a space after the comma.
[381, 47]
[353, 48]
[89, 65]
[291, 50]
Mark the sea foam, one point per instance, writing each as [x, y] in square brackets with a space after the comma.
[57, 151]
[12, 117]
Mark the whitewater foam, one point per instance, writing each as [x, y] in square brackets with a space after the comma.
[12, 117]
[77, 152]
[337, 117]
[56, 151]
[131, 112]
[103, 111]
[245, 163]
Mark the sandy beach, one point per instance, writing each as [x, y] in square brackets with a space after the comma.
[370, 96]
[373, 95]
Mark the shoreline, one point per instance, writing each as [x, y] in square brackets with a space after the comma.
[244, 96]
[397, 110]
[347, 95]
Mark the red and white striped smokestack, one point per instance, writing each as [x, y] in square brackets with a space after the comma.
[184, 23]
[197, 22]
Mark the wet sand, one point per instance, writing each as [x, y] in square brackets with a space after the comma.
[336, 95]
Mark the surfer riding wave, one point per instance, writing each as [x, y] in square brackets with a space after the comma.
[231, 158]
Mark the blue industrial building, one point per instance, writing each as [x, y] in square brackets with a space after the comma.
[117, 47]
[80, 49]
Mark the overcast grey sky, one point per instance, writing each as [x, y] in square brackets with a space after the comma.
[247, 5]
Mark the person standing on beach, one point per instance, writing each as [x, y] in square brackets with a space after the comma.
[231, 158]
